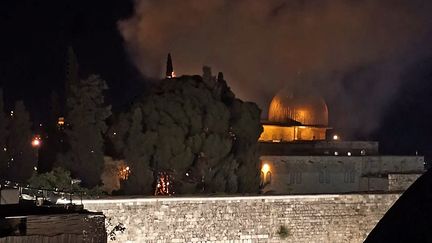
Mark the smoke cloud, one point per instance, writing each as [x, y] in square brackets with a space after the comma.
[350, 52]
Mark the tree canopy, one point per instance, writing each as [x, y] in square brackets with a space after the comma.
[85, 132]
[195, 129]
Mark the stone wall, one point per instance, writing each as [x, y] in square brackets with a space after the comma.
[401, 182]
[308, 218]
[54, 228]
[318, 148]
[336, 174]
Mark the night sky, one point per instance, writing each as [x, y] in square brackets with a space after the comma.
[370, 60]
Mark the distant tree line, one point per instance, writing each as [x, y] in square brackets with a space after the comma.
[191, 128]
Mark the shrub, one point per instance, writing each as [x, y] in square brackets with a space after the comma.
[283, 232]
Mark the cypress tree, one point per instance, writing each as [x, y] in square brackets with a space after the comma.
[22, 156]
[87, 113]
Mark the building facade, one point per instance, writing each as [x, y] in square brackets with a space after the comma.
[296, 158]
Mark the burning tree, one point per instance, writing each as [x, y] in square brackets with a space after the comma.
[196, 132]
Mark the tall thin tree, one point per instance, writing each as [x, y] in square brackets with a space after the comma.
[87, 113]
[23, 157]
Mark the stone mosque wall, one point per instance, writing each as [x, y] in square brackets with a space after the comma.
[307, 218]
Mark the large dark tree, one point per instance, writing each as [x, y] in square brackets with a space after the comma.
[137, 153]
[54, 136]
[23, 157]
[86, 117]
[195, 129]
[55, 139]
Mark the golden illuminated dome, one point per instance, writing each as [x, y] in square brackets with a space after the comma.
[306, 109]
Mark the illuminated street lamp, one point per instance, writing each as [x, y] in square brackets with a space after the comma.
[265, 168]
[335, 137]
[36, 141]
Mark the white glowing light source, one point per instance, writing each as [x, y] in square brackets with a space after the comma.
[35, 168]
[36, 142]
[265, 168]
[61, 121]
[335, 137]
[62, 201]
[336, 153]
[349, 153]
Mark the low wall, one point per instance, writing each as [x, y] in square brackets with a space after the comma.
[308, 218]
[53, 228]
[401, 182]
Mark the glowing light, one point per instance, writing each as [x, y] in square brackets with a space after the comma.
[124, 172]
[349, 153]
[336, 153]
[35, 168]
[265, 168]
[335, 137]
[75, 181]
[265, 175]
[36, 142]
[61, 121]
[163, 184]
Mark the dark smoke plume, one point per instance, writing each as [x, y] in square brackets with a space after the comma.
[351, 52]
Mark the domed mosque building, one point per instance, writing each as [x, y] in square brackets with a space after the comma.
[300, 155]
[295, 116]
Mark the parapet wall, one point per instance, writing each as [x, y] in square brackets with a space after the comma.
[308, 218]
[401, 182]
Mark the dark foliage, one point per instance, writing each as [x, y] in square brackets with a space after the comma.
[85, 131]
[22, 156]
[194, 128]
